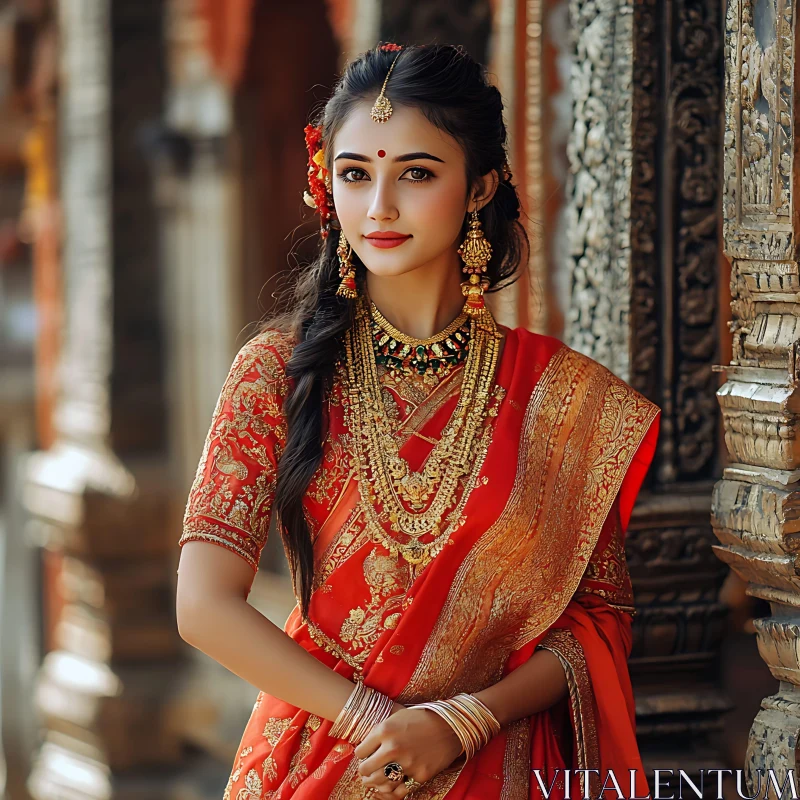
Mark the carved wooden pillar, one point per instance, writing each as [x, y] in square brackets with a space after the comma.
[755, 504]
[643, 243]
[100, 496]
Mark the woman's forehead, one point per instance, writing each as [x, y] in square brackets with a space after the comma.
[406, 131]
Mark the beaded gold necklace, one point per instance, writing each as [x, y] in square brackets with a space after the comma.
[385, 479]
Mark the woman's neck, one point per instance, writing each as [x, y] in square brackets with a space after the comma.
[419, 303]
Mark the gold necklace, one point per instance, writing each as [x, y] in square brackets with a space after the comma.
[411, 340]
[385, 478]
[409, 361]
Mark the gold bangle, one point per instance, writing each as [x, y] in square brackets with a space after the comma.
[480, 713]
[368, 718]
[365, 708]
[343, 720]
[471, 720]
[441, 708]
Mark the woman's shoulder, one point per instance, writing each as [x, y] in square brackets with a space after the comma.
[532, 349]
[540, 349]
[532, 339]
[270, 347]
[259, 367]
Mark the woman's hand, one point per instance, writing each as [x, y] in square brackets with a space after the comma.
[417, 739]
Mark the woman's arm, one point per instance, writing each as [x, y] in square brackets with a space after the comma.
[214, 616]
[534, 686]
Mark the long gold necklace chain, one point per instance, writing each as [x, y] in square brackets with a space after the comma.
[453, 449]
[383, 475]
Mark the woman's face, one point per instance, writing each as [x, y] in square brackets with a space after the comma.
[404, 177]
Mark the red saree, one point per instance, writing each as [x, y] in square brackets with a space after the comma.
[536, 559]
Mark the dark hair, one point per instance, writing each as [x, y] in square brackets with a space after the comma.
[452, 91]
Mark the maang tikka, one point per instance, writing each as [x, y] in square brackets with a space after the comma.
[382, 109]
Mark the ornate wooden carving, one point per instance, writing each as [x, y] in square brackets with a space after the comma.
[643, 243]
[755, 504]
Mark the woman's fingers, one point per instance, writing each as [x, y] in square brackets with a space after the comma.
[387, 788]
[383, 787]
[369, 746]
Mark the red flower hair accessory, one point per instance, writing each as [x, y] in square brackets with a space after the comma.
[318, 177]
[390, 47]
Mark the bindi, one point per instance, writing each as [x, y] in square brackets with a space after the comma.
[381, 153]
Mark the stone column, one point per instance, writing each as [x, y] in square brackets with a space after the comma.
[100, 496]
[755, 504]
[643, 246]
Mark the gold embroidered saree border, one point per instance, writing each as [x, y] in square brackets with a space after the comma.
[581, 413]
[517, 761]
[567, 648]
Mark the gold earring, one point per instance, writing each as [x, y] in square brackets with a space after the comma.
[347, 272]
[476, 251]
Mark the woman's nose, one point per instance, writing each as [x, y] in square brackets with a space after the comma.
[382, 208]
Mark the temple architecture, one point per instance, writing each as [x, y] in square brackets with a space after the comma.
[159, 154]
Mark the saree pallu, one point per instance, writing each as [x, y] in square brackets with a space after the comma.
[534, 559]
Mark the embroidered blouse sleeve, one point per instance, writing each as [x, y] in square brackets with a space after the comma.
[231, 497]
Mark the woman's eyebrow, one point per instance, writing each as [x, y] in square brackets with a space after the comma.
[398, 159]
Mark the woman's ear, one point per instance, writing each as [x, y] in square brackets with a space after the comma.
[487, 186]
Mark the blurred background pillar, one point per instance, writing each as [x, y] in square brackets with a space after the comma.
[29, 318]
[100, 496]
[755, 504]
[643, 260]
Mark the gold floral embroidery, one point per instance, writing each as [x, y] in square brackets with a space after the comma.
[237, 771]
[275, 728]
[270, 769]
[253, 788]
[387, 580]
[328, 480]
[338, 752]
[298, 771]
[349, 540]
[330, 645]
[230, 500]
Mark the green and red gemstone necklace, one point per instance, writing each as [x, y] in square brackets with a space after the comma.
[436, 354]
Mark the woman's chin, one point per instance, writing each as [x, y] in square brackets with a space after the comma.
[389, 267]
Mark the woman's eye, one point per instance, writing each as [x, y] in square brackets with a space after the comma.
[352, 175]
[418, 174]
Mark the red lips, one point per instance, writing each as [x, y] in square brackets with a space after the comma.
[385, 239]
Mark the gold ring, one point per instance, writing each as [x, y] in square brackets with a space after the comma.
[411, 784]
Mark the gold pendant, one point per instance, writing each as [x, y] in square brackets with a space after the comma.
[382, 109]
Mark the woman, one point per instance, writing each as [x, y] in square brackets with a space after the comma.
[452, 494]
